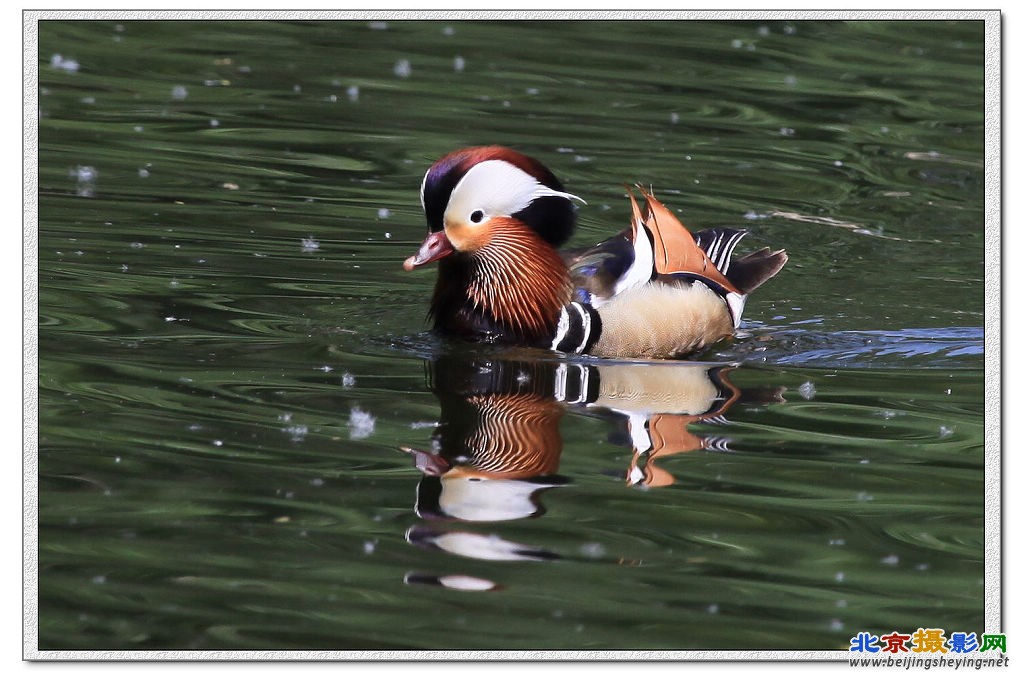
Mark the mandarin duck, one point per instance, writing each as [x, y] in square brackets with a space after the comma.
[496, 218]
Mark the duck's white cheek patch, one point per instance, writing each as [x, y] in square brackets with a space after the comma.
[497, 188]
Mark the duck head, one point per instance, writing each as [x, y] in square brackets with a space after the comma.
[495, 219]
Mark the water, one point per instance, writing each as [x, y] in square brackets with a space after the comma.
[249, 440]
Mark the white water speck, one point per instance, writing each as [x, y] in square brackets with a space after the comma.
[807, 390]
[347, 380]
[764, 31]
[673, 118]
[296, 433]
[218, 443]
[383, 213]
[448, 30]
[945, 431]
[361, 424]
[326, 368]
[309, 244]
[179, 92]
[369, 547]
[378, 25]
[143, 173]
[59, 62]
[840, 577]
[837, 542]
[713, 609]
[837, 163]
[592, 550]
[403, 68]
[353, 93]
[790, 80]
[736, 43]
[419, 425]
[317, 482]
[891, 559]
[84, 174]
[787, 132]
[836, 625]
[459, 63]
[387, 235]
[99, 579]
[214, 123]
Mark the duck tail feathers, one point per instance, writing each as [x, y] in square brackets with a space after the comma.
[753, 269]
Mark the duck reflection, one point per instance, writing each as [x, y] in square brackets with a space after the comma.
[498, 444]
[658, 402]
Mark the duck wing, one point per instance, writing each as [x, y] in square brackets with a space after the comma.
[656, 246]
[596, 272]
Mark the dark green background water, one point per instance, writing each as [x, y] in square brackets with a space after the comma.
[230, 356]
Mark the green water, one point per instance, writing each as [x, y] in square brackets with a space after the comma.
[248, 438]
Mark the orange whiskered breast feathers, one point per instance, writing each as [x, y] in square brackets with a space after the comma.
[521, 280]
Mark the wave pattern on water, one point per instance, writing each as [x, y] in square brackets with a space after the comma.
[902, 349]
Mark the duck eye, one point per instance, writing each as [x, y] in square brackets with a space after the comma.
[477, 216]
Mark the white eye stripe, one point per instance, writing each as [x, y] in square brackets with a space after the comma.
[497, 187]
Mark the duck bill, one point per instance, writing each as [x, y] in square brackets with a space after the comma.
[434, 247]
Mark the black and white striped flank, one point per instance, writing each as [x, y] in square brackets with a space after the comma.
[579, 327]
